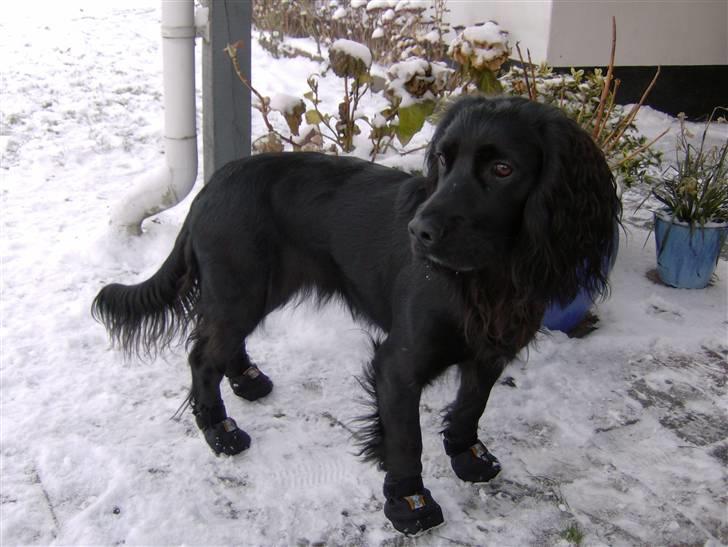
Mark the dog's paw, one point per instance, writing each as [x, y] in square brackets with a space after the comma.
[475, 464]
[226, 437]
[414, 513]
[251, 384]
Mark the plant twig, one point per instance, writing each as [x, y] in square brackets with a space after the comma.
[621, 128]
[313, 84]
[607, 82]
[406, 152]
[610, 109]
[232, 51]
[640, 149]
[533, 74]
[525, 71]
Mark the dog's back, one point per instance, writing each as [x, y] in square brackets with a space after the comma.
[315, 223]
[289, 224]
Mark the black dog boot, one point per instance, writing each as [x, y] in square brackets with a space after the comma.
[410, 506]
[221, 433]
[251, 384]
[475, 464]
[227, 438]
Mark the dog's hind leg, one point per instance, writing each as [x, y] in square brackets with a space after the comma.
[469, 458]
[221, 432]
[230, 307]
[246, 379]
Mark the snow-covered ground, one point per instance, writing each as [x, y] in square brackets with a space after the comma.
[621, 433]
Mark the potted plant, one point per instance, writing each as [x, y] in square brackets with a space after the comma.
[691, 227]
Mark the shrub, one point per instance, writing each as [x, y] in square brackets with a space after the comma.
[424, 72]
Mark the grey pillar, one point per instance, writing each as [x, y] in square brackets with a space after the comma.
[226, 101]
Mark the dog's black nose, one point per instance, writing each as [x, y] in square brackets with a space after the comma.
[426, 230]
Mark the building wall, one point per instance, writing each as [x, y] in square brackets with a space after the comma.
[655, 32]
[578, 33]
[527, 21]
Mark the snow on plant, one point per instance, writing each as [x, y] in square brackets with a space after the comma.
[349, 59]
[480, 51]
[481, 47]
[392, 29]
[292, 108]
[413, 90]
[416, 84]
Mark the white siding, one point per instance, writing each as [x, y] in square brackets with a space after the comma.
[577, 33]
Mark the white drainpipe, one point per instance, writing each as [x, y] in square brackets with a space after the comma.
[170, 184]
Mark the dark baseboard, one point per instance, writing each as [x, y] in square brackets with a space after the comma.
[693, 89]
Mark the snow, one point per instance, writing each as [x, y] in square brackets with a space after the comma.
[488, 33]
[412, 5]
[433, 37]
[354, 49]
[378, 32]
[285, 104]
[402, 72]
[622, 432]
[665, 215]
[381, 4]
[483, 43]
[388, 15]
[405, 70]
[378, 120]
[340, 13]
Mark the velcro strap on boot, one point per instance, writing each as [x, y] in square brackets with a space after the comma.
[401, 488]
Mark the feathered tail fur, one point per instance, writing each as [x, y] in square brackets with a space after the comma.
[142, 319]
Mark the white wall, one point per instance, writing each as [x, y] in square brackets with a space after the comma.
[687, 32]
[527, 21]
[578, 33]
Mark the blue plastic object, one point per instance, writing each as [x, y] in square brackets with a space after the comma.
[687, 256]
[565, 318]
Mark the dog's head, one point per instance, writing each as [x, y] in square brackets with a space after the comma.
[516, 185]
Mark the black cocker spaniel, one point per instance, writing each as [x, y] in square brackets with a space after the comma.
[517, 210]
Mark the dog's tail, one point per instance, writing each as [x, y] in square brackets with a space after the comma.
[144, 318]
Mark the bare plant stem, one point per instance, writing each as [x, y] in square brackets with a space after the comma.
[612, 140]
[407, 152]
[525, 71]
[641, 149]
[533, 74]
[232, 51]
[610, 109]
[607, 83]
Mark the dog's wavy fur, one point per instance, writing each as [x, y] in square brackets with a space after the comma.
[271, 228]
[144, 318]
[568, 229]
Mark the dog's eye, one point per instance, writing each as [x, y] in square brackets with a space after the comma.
[441, 159]
[501, 169]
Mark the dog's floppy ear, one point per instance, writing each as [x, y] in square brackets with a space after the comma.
[571, 217]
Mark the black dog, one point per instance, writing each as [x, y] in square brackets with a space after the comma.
[517, 210]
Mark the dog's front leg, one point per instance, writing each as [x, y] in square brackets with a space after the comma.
[399, 378]
[469, 457]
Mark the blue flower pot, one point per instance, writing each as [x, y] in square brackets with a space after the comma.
[687, 255]
[565, 318]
